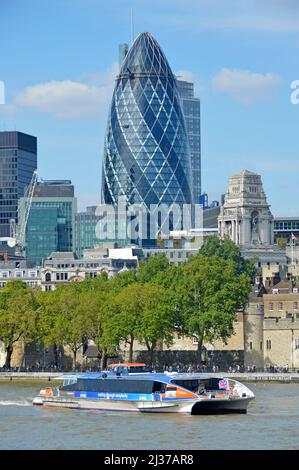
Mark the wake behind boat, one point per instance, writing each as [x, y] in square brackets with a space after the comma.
[129, 387]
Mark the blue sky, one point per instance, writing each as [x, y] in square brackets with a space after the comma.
[59, 60]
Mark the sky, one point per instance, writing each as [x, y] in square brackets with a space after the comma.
[59, 60]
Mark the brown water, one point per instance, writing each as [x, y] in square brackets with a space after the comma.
[272, 422]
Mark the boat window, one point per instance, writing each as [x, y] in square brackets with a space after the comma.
[159, 387]
[115, 385]
[69, 381]
[191, 385]
[194, 385]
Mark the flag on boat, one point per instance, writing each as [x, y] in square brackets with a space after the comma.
[223, 384]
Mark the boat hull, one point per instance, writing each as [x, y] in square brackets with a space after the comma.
[194, 407]
[206, 407]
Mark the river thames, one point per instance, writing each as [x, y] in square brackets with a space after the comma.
[271, 423]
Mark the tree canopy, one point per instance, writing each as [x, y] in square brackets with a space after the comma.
[197, 298]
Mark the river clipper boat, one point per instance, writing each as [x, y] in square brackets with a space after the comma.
[120, 389]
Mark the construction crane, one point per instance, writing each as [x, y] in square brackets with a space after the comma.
[17, 236]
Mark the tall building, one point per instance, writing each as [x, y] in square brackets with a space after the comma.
[191, 110]
[18, 160]
[245, 216]
[146, 151]
[122, 52]
[85, 231]
[51, 222]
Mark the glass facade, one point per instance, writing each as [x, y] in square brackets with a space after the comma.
[86, 230]
[146, 151]
[42, 234]
[285, 228]
[191, 109]
[51, 222]
[18, 160]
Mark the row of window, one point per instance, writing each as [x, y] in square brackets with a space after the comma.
[29, 284]
[294, 225]
[280, 306]
[17, 274]
[269, 344]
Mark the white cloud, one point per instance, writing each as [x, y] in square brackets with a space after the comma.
[245, 86]
[68, 98]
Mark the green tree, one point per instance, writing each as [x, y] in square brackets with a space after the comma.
[143, 312]
[153, 270]
[156, 322]
[100, 308]
[226, 249]
[208, 294]
[71, 320]
[18, 316]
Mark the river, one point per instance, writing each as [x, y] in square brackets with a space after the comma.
[271, 423]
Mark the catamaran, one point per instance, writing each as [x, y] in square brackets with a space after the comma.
[130, 387]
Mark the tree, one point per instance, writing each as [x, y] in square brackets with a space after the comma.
[143, 312]
[208, 294]
[226, 249]
[71, 322]
[153, 269]
[126, 318]
[18, 314]
[100, 306]
[156, 323]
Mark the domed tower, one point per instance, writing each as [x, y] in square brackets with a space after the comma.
[146, 152]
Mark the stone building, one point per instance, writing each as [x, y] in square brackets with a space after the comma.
[271, 326]
[246, 219]
[245, 216]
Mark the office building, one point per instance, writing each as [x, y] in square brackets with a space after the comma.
[191, 110]
[122, 52]
[85, 230]
[284, 227]
[51, 222]
[146, 151]
[18, 160]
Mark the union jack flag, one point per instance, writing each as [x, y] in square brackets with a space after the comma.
[223, 384]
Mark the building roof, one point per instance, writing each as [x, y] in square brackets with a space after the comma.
[62, 255]
[244, 173]
[283, 285]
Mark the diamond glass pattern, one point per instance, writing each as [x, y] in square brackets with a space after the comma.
[146, 151]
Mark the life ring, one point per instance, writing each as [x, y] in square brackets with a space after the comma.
[48, 392]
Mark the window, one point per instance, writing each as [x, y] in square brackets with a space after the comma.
[295, 305]
[48, 277]
[4, 274]
[19, 274]
[250, 345]
[261, 345]
[296, 343]
[271, 306]
[268, 344]
[280, 306]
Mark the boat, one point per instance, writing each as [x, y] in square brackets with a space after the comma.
[132, 387]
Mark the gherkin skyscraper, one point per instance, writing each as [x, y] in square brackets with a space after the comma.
[146, 152]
